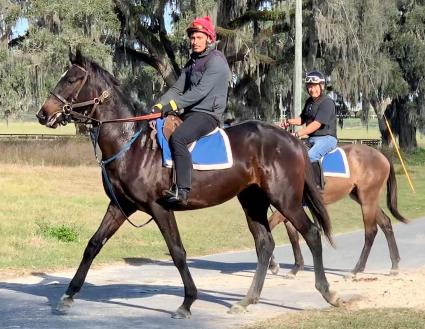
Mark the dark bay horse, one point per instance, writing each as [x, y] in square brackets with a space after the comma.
[264, 173]
[370, 172]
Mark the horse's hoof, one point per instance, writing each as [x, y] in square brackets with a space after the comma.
[290, 275]
[237, 309]
[181, 313]
[394, 272]
[350, 276]
[64, 304]
[274, 268]
[333, 298]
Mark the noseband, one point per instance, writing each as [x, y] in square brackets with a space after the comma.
[67, 110]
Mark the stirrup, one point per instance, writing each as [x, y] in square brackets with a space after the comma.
[175, 196]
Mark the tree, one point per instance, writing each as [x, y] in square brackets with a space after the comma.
[374, 48]
[31, 64]
[405, 43]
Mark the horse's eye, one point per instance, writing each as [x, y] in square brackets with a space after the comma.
[71, 80]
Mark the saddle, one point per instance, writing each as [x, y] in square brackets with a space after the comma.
[171, 122]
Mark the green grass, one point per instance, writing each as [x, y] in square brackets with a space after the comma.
[61, 232]
[337, 319]
[33, 127]
[72, 197]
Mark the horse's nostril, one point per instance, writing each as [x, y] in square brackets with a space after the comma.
[41, 117]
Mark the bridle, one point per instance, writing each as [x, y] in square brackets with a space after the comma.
[68, 113]
[67, 110]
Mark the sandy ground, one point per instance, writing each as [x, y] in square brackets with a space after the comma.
[378, 290]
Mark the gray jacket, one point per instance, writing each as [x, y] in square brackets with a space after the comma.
[203, 84]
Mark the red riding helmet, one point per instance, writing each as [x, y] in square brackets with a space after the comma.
[204, 25]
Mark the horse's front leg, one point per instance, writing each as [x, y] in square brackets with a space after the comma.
[167, 224]
[111, 222]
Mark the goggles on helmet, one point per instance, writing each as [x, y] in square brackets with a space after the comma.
[313, 79]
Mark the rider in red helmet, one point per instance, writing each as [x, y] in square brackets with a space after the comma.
[199, 98]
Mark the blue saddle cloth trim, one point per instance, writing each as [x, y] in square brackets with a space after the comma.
[335, 164]
[208, 153]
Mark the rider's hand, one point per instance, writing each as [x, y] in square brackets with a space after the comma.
[295, 134]
[169, 108]
[284, 123]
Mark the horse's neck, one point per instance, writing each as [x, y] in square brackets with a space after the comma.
[113, 136]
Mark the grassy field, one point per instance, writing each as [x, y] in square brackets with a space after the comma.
[33, 127]
[337, 319]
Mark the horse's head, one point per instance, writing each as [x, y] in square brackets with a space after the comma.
[75, 96]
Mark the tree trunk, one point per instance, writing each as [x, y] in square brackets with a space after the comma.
[407, 132]
[379, 109]
[312, 39]
[401, 125]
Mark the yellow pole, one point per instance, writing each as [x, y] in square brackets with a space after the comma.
[398, 153]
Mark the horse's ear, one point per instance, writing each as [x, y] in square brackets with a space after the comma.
[72, 57]
[79, 58]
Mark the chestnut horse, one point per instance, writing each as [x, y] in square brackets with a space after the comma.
[370, 171]
[263, 174]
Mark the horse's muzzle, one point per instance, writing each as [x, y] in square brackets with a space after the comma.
[51, 121]
[42, 118]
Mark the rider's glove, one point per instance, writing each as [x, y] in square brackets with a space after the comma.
[170, 108]
[157, 108]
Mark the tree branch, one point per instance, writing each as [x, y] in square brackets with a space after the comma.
[255, 15]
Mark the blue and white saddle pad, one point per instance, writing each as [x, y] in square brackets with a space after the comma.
[210, 152]
[335, 164]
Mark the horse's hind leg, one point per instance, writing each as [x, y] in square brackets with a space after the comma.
[167, 224]
[111, 222]
[276, 218]
[255, 204]
[384, 223]
[369, 206]
[295, 242]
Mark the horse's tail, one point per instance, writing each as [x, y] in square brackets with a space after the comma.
[392, 194]
[314, 202]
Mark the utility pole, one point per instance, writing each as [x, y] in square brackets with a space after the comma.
[298, 59]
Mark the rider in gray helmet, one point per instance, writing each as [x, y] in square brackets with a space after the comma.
[319, 118]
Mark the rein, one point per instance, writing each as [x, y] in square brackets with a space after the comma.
[94, 135]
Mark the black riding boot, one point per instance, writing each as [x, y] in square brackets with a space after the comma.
[176, 196]
[318, 174]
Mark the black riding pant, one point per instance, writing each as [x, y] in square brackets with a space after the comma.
[194, 126]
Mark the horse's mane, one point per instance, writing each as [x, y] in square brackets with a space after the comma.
[104, 74]
[135, 107]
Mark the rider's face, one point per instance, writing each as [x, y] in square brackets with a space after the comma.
[198, 42]
[314, 89]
